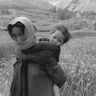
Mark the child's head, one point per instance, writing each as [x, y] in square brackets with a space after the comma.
[59, 35]
[22, 32]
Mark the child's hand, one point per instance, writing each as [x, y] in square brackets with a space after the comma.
[56, 90]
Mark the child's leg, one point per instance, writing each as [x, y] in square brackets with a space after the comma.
[56, 90]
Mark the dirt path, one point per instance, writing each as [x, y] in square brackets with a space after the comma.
[75, 34]
[83, 34]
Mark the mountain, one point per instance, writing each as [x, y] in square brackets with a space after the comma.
[37, 10]
[77, 5]
[86, 6]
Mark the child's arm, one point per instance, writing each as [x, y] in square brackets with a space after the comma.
[57, 75]
[56, 90]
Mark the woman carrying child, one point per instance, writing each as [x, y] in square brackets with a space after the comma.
[34, 77]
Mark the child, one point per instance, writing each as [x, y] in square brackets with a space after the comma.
[59, 36]
[27, 71]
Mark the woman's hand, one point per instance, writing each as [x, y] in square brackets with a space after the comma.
[20, 55]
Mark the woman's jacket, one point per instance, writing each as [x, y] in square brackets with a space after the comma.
[36, 76]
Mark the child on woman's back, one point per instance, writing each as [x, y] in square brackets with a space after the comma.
[59, 36]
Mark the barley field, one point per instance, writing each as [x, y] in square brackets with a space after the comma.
[78, 58]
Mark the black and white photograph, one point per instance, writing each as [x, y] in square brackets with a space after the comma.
[47, 47]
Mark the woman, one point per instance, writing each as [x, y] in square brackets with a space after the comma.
[30, 78]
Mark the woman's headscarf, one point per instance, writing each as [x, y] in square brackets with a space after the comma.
[29, 32]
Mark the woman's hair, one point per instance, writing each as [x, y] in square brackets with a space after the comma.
[60, 27]
[17, 24]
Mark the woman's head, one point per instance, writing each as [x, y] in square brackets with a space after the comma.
[22, 31]
[59, 34]
[17, 31]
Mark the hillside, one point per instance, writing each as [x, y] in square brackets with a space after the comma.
[25, 4]
[77, 5]
[36, 10]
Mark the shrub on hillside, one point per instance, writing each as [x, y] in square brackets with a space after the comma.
[76, 23]
[64, 14]
[79, 25]
[53, 9]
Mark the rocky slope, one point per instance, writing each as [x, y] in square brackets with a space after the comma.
[77, 5]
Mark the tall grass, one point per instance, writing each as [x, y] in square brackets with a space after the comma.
[80, 62]
[7, 52]
[78, 57]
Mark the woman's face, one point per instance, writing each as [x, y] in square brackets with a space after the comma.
[57, 37]
[18, 34]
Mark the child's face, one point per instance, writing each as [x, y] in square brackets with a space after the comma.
[18, 34]
[57, 37]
